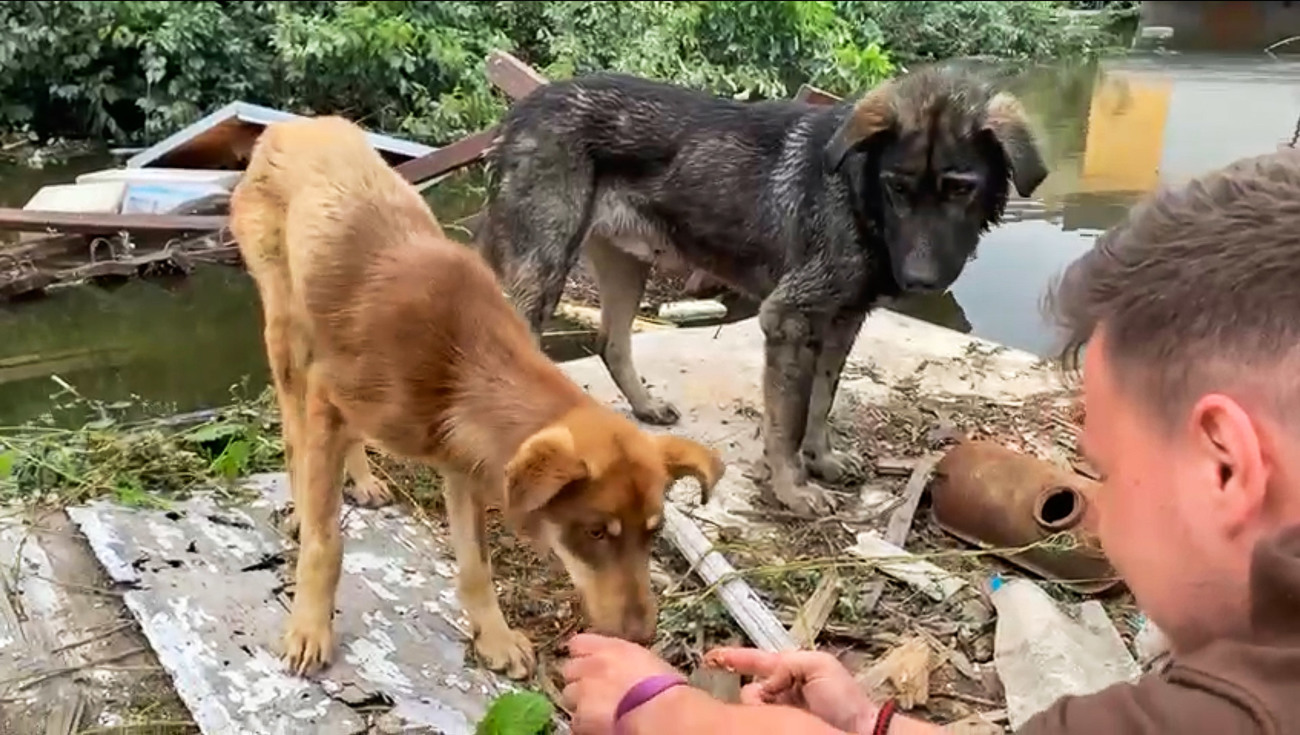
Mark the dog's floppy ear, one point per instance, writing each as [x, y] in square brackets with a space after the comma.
[1005, 118]
[872, 115]
[544, 464]
[684, 457]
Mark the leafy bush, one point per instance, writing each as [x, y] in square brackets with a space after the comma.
[133, 71]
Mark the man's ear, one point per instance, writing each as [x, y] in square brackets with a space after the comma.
[1228, 441]
[682, 457]
[543, 465]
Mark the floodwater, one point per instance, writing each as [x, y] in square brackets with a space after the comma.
[1110, 134]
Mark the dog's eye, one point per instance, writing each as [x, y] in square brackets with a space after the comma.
[596, 534]
[958, 187]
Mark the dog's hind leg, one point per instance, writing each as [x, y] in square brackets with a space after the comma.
[288, 383]
[366, 490]
[822, 461]
[621, 279]
[323, 441]
[535, 229]
[501, 647]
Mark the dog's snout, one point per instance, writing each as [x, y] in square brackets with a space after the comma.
[638, 628]
[920, 274]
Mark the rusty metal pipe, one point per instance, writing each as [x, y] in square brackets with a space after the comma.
[992, 497]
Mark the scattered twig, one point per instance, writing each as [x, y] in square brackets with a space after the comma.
[968, 699]
[126, 625]
[1278, 44]
[65, 670]
[143, 727]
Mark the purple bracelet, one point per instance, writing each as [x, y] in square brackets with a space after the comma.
[644, 691]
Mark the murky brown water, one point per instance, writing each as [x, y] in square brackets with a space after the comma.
[1111, 134]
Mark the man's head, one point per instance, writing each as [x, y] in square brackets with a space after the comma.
[1191, 314]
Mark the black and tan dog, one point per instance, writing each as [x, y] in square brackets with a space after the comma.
[820, 212]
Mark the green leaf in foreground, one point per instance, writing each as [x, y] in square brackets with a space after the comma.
[517, 713]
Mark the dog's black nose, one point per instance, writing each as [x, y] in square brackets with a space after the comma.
[920, 280]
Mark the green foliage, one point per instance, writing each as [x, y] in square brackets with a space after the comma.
[1018, 31]
[133, 71]
[517, 713]
[141, 464]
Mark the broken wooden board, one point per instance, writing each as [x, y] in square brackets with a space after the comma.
[70, 655]
[206, 586]
[91, 223]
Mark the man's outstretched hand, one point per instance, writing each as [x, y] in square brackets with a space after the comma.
[809, 680]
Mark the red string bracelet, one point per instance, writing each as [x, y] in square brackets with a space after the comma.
[884, 717]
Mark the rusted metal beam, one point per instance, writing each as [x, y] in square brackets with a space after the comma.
[95, 223]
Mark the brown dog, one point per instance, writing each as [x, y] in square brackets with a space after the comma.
[380, 329]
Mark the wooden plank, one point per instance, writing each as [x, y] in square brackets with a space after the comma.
[812, 95]
[814, 613]
[512, 76]
[206, 587]
[59, 624]
[758, 622]
[900, 521]
[447, 158]
[94, 223]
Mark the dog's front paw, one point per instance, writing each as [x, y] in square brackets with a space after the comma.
[658, 412]
[507, 651]
[369, 493]
[834, 466]
[308, 645]
[807, 498]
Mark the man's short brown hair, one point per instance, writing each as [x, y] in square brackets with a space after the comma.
[1197, 290]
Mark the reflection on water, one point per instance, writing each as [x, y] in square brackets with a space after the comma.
[1109, 133]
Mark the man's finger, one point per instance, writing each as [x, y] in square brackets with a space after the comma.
[752, 694]
[574, 669]
[744, 661]
[585, 644]
[781, 682]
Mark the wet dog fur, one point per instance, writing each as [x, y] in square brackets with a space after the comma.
[819, 212]
[381, 330]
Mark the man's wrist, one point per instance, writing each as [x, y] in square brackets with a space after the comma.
[650, 716]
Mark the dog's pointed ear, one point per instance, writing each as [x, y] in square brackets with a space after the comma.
[543, 466]
[682, 457]
[872, 115]
[1005, 119]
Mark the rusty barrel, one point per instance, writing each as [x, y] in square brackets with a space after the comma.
[995, 498]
